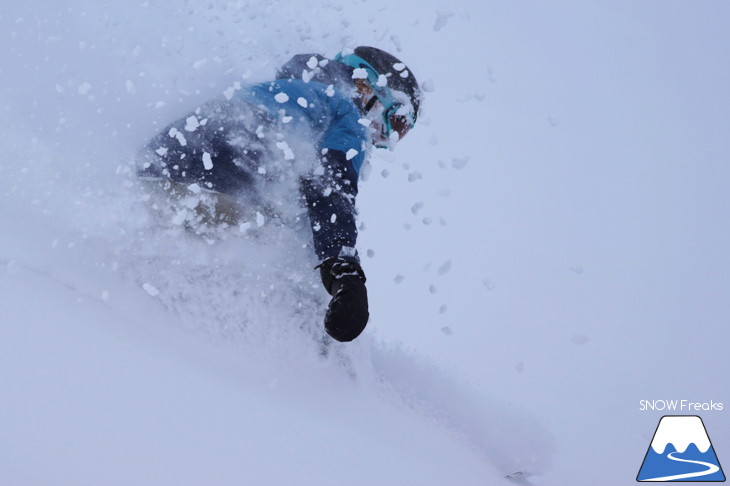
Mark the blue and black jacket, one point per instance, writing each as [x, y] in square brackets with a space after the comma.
[310, 96]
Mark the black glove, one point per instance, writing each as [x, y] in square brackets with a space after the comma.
[347, 313]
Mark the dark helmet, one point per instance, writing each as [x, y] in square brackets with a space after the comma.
[392, 83]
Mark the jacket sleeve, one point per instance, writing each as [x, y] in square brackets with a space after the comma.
[330, 197]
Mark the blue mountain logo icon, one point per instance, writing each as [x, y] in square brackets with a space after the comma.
[681, 451]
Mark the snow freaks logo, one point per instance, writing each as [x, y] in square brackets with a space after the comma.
[680, 451]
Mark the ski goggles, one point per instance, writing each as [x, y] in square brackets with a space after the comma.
[396, 117]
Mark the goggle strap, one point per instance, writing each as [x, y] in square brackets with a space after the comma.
[355, 61]
[370, 104]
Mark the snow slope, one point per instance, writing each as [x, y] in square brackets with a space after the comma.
[545, 250]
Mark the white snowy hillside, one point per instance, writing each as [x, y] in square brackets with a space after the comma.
[545, 250]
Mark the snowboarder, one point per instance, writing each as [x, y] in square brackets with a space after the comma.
[313, 124]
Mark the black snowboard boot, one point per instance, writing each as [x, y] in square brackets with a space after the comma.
[347, 313]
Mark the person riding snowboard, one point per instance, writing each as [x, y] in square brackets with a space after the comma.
[314, 125]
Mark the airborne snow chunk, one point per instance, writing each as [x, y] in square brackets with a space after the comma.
[191, 123]
[459, 162]
[445, 268]
[284, 147]
[174, 133]
[516, 475]
[442, 18]
[207, 161]
[151, 289]
[231, 90]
